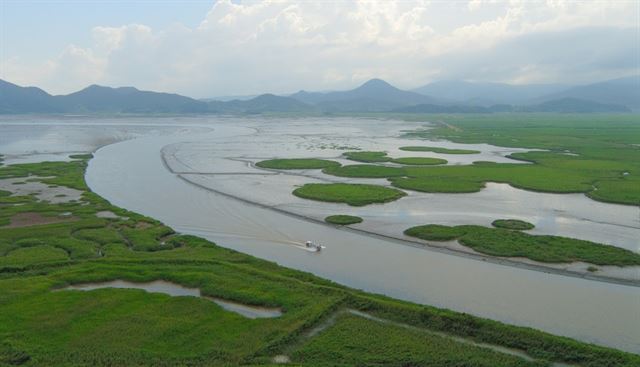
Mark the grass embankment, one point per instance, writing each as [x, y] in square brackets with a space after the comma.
[509, 243]
[107, 327]
[297, 163]
[514, 224]
[352, 194]
[438, 150]
[343, 220]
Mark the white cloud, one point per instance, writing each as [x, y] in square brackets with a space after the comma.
[283, 46]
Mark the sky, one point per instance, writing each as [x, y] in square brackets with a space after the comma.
[222, 48]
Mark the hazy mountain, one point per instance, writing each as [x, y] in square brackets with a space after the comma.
[457, 91]
[260, 104]
[374, 95]
[16, 99]
[96, 98]
[623, 91]
[229, 98]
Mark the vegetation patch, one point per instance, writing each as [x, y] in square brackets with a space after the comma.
[439, 150]
[352, 194]
[365, 171]
[437, 185]
[605, 165]
[508, 243]
[357, 341]
[367, 157]
[419, 161]
[343, 220]
[297, 163]
[515, 224]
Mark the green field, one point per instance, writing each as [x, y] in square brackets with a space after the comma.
[297, 163]
[365, 170]
[41, 325]
[343, 220]
[352, 194]
[509, 243]
[515, 224]
[438, 150]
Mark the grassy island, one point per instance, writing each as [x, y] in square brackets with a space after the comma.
[297, 163]
[365, 171]
[508, 243]
[367, 157]
[343, 220]
[515, 224]
[419, 161]
[352, 194]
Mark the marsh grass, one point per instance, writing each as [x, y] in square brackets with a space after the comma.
[515, 224]
[343, 220]
[297, 163]
[41, 325]
[419, 161]
[438, 150]
[356, 341]
[367, 157]
[508, 243]
[365, 171]
[603, 147]
[352, 194]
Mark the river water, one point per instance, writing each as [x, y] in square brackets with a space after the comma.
[133, 174]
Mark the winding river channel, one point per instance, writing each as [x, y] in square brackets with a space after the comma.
[183, 174]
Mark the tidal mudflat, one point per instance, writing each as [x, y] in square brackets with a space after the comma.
[211, 167]
[350, 258]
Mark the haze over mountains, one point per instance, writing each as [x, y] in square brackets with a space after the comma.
[618, 95]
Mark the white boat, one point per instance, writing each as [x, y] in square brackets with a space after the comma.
[316, 247]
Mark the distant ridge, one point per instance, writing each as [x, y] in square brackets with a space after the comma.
[16, 99]
[623, 91]
[97, 98]
[375, 95]
[485, 94]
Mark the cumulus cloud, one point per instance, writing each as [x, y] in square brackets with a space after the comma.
[282, 46]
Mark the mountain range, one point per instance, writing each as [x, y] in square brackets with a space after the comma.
[618, 95]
